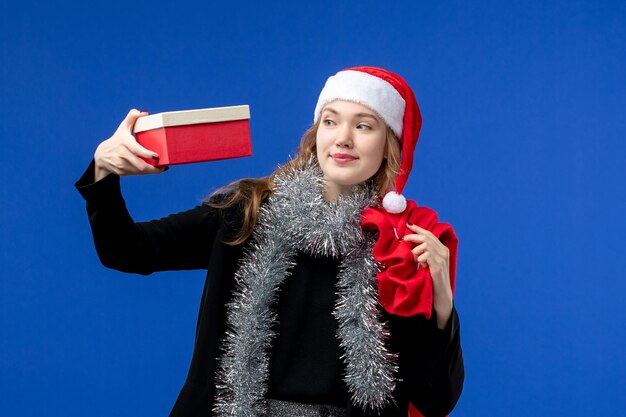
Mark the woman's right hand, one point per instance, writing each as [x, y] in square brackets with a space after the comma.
[120, 154]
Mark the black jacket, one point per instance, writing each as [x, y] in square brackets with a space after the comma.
[305, 363]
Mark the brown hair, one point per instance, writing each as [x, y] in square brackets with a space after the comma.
[250, 192]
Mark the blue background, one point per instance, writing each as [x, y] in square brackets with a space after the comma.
[522, 151]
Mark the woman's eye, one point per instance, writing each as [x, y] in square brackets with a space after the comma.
[363, 126]
[328, 122]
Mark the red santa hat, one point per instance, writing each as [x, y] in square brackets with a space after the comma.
[393, 100]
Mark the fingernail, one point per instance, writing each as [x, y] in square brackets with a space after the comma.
[155, 157]
[143, 111]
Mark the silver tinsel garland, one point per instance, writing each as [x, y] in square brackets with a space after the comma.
[296, 217]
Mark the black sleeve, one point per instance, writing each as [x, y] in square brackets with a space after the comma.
[177, 242]
[431, 362]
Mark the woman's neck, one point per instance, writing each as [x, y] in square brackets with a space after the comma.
[332, 191]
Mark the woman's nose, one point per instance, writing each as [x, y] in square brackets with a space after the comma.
[344, 137]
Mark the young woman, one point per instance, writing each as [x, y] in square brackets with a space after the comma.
[321, 297]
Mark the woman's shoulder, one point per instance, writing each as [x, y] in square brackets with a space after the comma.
[226, 204]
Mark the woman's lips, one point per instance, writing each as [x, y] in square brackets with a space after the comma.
[343, 158]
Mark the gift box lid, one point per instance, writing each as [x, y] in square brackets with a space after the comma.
[192, 117]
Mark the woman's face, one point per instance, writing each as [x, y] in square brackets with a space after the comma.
[350, 145]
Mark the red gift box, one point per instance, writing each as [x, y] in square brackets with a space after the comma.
[182, 137]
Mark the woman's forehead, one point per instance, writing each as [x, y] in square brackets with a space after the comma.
[350, 108]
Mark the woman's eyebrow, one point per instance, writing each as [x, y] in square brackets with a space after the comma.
[366, 115]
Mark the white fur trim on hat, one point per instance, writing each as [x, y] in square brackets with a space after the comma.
[366, 89]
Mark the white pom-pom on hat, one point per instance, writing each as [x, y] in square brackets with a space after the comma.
[394, 202]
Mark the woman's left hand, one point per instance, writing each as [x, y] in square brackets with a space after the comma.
[432, 254]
